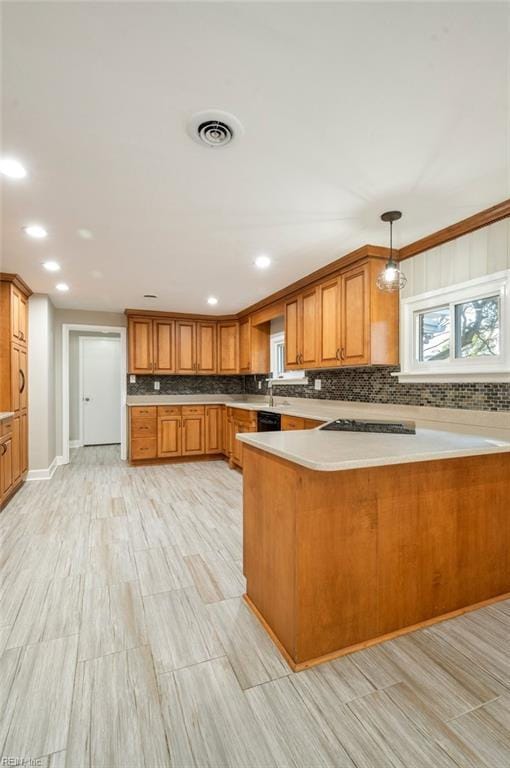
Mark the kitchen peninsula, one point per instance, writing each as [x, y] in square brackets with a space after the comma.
[351, 538]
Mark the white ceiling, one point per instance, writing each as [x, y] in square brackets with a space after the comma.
[348, 110]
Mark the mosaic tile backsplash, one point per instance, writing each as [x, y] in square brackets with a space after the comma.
[187, 385]
[376, 385]
[368, 385]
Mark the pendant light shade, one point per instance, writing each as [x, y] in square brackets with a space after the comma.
[391, 279]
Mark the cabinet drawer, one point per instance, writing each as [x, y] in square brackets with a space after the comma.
[193, 410]
[246, 417]
[169, 410]
[143, 427]
[143, 412]
[5, 427]
[292, 422]
[143, 448]
[312, 423]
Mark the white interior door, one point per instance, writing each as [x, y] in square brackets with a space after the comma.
[100, 390]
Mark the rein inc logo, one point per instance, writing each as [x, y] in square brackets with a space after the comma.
[35, 762]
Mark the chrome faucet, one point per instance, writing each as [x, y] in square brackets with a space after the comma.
[270, 401]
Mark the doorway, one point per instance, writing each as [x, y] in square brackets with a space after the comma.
[99, 395]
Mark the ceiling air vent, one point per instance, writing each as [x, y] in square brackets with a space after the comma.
[214, 128]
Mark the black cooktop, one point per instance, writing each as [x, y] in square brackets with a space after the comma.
[376, 425]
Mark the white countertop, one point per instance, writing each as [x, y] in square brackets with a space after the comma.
[335, 451]
[6, 415]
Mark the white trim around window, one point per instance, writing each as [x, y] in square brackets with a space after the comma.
[481, 368]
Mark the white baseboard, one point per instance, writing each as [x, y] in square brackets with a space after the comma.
[75, 444]
[44, 474]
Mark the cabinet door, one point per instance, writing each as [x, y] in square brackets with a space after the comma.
[355, 319]
[228, 347]
[23, 439]
[23, 318]
[15, 314]
[292, 423]
[292, 347]
[244, 346]
[140, 345]
[23, 378]
[213, 429]
[308, 327]
[16, 377]
[185, 342]
[224, 430]
[169, 436]
[237, 446]
[206, 347]
[5, 466]
[16, 459]
[164, 346]
[329, 323]
[193, 435]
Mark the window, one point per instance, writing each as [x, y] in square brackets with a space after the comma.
[458, 332]
[278, 363]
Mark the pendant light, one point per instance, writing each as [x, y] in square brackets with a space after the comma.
[391, 279]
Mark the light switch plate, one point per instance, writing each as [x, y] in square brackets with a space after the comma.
[156, 385]
[318, 383]
[132, 378]
[259, 383]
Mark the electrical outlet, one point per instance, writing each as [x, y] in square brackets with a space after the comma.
[317, 383]
[259, 385]
[132, 378]
[156, 385]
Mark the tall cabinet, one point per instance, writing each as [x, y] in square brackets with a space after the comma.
[14, 294]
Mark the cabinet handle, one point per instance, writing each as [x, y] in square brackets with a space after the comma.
[342, 354]
[337, 354]
[22, 385]
[4, 449]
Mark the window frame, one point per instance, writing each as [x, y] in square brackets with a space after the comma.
[287, 377]
[479, 368]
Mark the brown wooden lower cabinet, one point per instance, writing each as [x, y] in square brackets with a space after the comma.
[193, 435]
[169, 436]
[297, 422]
[6, 479]
[16, 448]
[214, 429]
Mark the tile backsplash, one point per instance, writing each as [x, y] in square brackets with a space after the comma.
[187, 385]
[376, 385]
[368, 385]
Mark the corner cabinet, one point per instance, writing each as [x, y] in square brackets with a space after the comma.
[14, 296]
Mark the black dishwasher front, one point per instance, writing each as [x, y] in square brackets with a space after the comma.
[268, 422]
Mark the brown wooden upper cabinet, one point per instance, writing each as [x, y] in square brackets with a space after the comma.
[228, 347]
[301, 330]
[140, 345]
[358, 324]
[196, 347]
[19, 316]
[164, 346]
[254, 346]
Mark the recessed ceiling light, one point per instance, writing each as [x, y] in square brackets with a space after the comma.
[212, 300]
[262, 262]
[149, 296]
[35, 230]
[12, 168]
[51, 266]
[62, 287]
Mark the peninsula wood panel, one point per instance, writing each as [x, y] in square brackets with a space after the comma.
[374, 550]
[140, 346]
[164, 346]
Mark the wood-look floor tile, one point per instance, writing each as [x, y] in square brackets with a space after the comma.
[216, 578]
[50, 610]
[161, 570]
[113, 619]
[208, 721]
[254, 657]
[116, 718]
[294, 734]
[341, 676]
[113, 563]
[36, 714]
[180, 631]
[12, 593]
[381, 717]
[487, 732]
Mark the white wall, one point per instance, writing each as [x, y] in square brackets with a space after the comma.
[41, 383]
[480, 253]
[74, 317]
